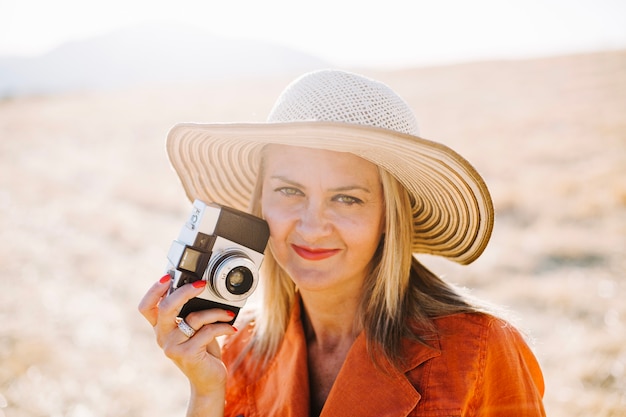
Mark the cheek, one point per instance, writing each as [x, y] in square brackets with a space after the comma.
[276, 218]
[370, 239]
[277, 227]
[369, 232]
[279, 232]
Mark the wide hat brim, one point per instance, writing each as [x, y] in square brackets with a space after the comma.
[453, 212]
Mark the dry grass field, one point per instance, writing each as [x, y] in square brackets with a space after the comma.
[89, 205]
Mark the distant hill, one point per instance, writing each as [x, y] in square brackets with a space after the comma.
[146, 54]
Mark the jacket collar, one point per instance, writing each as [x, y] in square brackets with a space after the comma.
[362, 387]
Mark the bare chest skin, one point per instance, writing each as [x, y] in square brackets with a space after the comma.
[323, 370]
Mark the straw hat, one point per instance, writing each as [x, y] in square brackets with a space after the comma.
[344, 112]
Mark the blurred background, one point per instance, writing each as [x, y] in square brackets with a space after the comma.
[532, 92]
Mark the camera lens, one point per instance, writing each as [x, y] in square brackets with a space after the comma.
[232, 275]
[239, 280]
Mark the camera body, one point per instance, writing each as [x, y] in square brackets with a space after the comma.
[222, 246]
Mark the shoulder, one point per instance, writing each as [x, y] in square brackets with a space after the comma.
[484, 362]
[470, 321]
[482, 340]
[462, 342]
[485, 336]
[478, 327]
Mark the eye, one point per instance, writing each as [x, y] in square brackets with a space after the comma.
[289, 191]
[347, 199]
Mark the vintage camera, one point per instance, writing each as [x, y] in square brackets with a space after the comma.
[222, 246]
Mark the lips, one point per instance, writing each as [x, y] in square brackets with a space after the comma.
[314, 254]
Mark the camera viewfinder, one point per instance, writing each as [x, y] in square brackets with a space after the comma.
[189, 260]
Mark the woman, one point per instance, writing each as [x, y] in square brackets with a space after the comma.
[350, 323]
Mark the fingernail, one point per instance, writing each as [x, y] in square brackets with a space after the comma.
[234, 328]
[165, 278]
[199, 284]
[230, 313]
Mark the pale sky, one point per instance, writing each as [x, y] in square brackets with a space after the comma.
[345, 32]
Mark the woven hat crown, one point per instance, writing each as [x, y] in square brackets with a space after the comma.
[338, 96]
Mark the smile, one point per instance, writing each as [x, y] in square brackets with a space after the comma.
[314, 254]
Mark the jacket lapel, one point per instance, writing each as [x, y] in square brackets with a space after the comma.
[364, 389]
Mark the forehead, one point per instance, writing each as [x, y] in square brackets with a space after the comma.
[302, 154]
[296, 159]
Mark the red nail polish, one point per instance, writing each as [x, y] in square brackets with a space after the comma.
[199, 284]
[234, 328]
[165, 278]
[230, 313]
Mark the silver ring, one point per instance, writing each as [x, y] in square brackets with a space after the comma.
[185, 328]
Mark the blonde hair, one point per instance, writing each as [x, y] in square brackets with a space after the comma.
[398, 290]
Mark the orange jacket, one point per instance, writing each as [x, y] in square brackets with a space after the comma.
[478, 366]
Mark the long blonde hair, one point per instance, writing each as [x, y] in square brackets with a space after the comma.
[398, 290]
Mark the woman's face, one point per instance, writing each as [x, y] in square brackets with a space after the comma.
[326, 213]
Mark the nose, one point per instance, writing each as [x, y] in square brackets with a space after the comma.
[313, 222]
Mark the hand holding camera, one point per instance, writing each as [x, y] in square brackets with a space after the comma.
[222, 246]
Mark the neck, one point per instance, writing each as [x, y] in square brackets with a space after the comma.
[330, 319]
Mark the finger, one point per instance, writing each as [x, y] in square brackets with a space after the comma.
[204, 340]
[207, 335]
[149, 304]
[200, 318]
[196, 320]
[170, 306]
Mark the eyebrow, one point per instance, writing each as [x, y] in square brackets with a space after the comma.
[338, 189]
